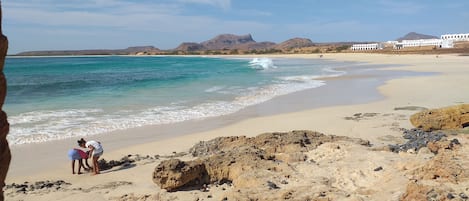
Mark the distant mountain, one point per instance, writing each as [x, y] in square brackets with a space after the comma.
[227, 41]
[295, 43]
[243, 43]
[127, 51]
[416, 36]
[223, 42]
[188, 46]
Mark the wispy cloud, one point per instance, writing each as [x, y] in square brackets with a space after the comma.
[224, 4]
[163, 20]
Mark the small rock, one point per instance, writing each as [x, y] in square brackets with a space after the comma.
[272, 185]
[463, 196]
[378, 169]
[322, 194]
[450, 196]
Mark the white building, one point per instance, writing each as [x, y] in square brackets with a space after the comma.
[455, 37]
[369, 46]
[439, 43]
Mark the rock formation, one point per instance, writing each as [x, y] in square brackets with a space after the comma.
[444, 177]
[244, 162]
[227, 41]
[295, 43]
[190, 47]
[5, 155]
[453, 117]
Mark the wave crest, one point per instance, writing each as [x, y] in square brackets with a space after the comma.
[262, 63]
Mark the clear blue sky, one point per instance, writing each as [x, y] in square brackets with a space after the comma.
[113, 24]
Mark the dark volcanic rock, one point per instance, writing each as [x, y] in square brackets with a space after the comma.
[417, 139]
[39, 185]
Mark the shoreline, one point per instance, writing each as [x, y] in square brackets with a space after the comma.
[391, 91]
[362, 75]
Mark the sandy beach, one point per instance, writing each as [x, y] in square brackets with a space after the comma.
[372, 102]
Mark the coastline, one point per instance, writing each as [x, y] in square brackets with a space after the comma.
[359, 90]
[387, 88]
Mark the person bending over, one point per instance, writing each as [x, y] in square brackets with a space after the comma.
[78, 155]
[96, 150]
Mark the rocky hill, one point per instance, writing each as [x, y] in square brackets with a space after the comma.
[227, 41]
[189, 46]
[295, 43]
[224, 43]
[243, 43]
[127, 51]
[415, 36]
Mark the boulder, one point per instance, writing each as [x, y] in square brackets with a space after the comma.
[173, 174]
[453, 117]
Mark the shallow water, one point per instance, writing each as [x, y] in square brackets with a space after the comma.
[53, 98]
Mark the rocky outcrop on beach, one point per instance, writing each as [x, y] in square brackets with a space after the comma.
[446, 175]
[244, 162]
[453, 117]
[5, 155]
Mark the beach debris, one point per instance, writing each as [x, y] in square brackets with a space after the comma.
[453, 117]
[124, 162]
[239, 159]
[27, 187]
[410, 108]
[272, 185]
[378, 169]
[361, 116]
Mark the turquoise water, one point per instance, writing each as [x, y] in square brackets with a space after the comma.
[52, 98]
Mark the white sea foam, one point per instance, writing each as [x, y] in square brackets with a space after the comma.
[262, 63]
[214, 89]
[41, 126]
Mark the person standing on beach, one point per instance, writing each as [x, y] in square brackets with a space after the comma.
[78, 155]
[96, 150]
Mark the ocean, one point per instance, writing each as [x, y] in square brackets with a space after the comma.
[52, 98]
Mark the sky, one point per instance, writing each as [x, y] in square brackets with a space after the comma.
[118, 24]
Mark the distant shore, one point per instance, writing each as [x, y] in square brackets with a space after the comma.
[383, 83]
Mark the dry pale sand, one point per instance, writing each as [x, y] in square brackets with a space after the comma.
[351, 168]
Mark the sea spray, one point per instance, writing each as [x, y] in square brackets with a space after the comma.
[262, 63]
